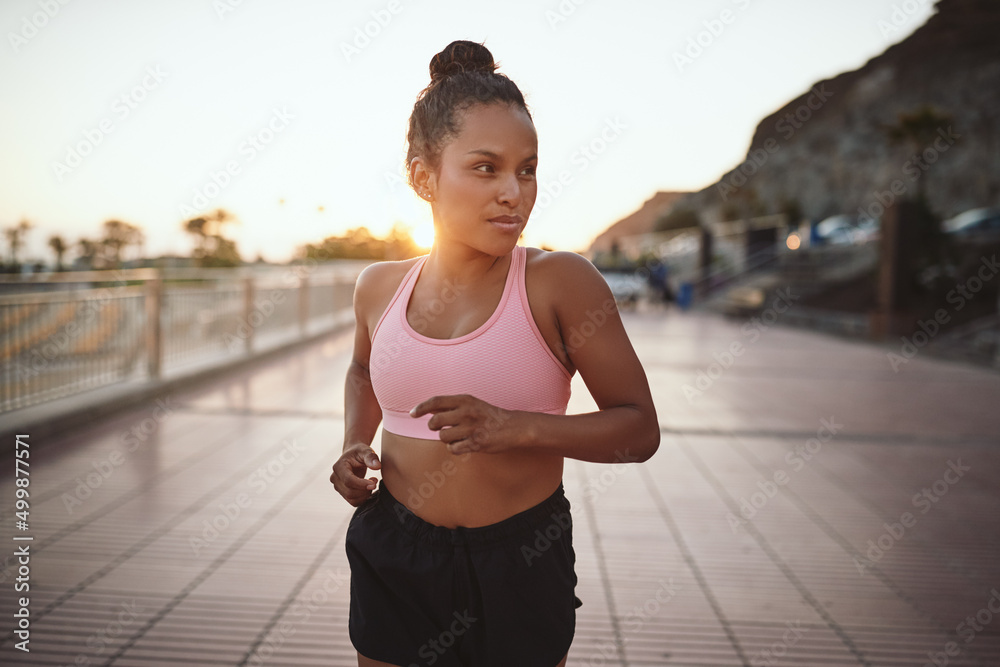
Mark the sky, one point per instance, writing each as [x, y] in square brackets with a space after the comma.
[292, 115]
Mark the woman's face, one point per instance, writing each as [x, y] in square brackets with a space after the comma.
[484, 188]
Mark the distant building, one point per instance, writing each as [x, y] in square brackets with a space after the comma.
[639, 223]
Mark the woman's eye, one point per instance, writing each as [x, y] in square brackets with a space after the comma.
[484, 168]
[528, 171]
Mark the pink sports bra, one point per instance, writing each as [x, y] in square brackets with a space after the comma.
[504, 362]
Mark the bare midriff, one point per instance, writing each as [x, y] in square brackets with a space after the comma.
[471, 489]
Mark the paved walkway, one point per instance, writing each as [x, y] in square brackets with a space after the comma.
[809, 505]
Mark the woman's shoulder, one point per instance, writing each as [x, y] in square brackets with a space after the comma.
[378, 281]
[569, 278]
[561, 265]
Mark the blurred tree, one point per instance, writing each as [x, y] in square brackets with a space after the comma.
[358, 243]
[59, 248]
[917, 130]
[15, 239]
[399, 244]
[677, 218]
[117, 237]
[213, 249]
[87, 252]
[743, 205]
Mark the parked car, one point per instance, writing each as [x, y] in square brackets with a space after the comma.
[975, 222]
[627, 288]
[846, 230]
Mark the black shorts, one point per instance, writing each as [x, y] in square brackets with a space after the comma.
[499, 595]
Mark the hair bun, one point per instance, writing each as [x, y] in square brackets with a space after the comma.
[461, 56]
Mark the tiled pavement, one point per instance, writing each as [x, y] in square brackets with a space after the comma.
[808, 506]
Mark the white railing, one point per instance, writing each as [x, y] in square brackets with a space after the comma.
[64, 333]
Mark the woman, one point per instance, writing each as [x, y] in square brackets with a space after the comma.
[463, 555]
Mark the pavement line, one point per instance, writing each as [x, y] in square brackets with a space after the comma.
[336, 539]
[219, 561]
[602, 567]
[839, 539]
[146, 485]
[159, 532]
[948, 561]
[754, 532]
[262, 412]
[689, 559]
[881, 438]
[62, 488]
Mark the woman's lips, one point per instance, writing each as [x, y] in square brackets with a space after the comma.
[507, 222]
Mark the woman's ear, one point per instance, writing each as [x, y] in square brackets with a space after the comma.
[422, 178]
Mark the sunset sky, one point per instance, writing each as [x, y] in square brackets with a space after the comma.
[306, 103]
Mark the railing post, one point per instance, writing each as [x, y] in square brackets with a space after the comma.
[248, 311]
[303, 305]
[154, 326]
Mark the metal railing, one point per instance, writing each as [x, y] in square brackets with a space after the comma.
[65, 333]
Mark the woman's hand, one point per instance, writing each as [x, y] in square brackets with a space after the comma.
[468, 424]
[348, 476]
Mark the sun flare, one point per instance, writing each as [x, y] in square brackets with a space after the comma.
[423, 235]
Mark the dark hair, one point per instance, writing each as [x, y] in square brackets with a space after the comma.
[462, 75]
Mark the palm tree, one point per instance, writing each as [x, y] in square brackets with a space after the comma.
[213, 249]
[59, 248]
[118, 236]
[15, 238]
[917, 130]
[88, 252]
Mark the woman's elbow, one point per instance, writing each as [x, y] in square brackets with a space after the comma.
[649, 440]
[650, 445]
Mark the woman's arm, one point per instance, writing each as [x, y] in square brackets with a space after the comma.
[362, 414]
[624, 429]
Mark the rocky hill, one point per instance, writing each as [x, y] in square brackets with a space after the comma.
[640, 222]
[827, 151]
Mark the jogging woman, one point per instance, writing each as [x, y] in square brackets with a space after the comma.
[463, 553]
